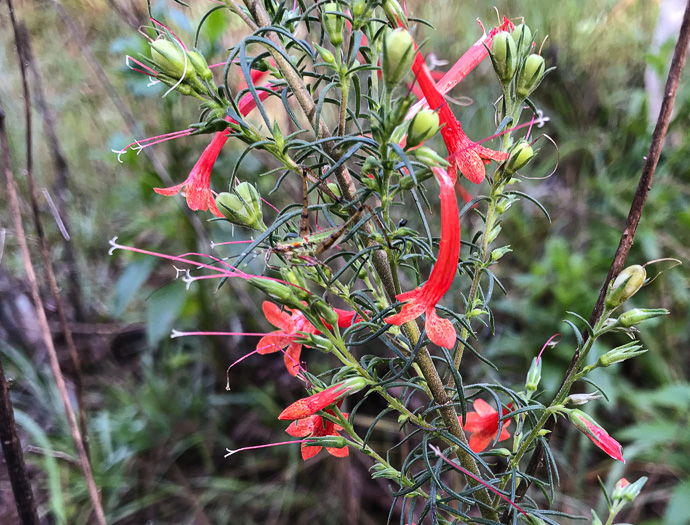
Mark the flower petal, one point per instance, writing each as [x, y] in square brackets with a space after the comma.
[276, 316]
[440, 331]
[339, 452]
[273, 342]
[309, 451]
[484, 409]
[292, 358]
[480, 440]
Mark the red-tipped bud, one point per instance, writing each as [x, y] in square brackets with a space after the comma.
[310, 405]
[596, 434]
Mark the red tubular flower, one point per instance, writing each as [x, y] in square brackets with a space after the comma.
[316, 426]
[596, 434]
[308, 406]
[464, 154]
[198, 183]
[291, 323]
[483, 423]
[423, 299]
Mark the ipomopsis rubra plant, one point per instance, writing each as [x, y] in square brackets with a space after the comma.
[355, 269]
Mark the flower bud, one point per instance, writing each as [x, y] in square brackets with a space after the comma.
[596, 434]
[322, 309]
[504, 56]
[580, 399]
[596, 520]
[530, 75]
[637, 315]
[278, 291]
[332, 23]
[429, 157]
[423, 126]
[200, 65]
[170, 58]
[370, 183]
[242, 207]
[625, 285]
[318, 342]
[359, 8]
[522, 35]
[325, 54]
[520, 154]
[498, 253]
[533, 376]
[620, 353]
[394, 13]
[300, 289]
[382, 471]
[619, 489]
[407, 183]
[628, 491]
[398, 55]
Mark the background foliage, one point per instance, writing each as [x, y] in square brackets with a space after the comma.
[160, 418]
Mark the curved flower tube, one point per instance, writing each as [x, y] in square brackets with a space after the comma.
[198, 183]
[423, 300]
[464, 154]
[308, 406]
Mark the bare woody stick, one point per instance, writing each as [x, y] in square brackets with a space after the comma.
[628, 235]
[21, 36]
[14, 458]
[43, 322]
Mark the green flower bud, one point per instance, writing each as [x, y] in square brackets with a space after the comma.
[620, 353]
[580, 399]
[407, 182]
[385, 472]
[499, 252]
[300, 289]
[423, 126]
[637, 315]
[520, 154]
[533, 376]
[242, 207]
[504, 56]
[631, 491]
[359, 7]
[370, 183]
[318, 342]
[429, 157]
[522, 34]
[335, 189]
[530, 75]
[625, 285]
[325, 54]
[278, 291]
[322, 309]
[332, 23]
[170, 58]
[200, 65]
[398, 55]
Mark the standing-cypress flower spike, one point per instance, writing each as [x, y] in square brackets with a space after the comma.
[308, 406]
[198, 183]
[596, 434]
[423, 300]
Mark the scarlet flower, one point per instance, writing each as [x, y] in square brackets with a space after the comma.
[291, 323]
[423, 299]
[198, 183]
[483, 423]
[596, 434]
[308, 406]
[464, 154]
[316, 426]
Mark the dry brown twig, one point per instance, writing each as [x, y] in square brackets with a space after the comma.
[633, 220]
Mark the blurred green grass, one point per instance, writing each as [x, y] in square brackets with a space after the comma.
[160, 417]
